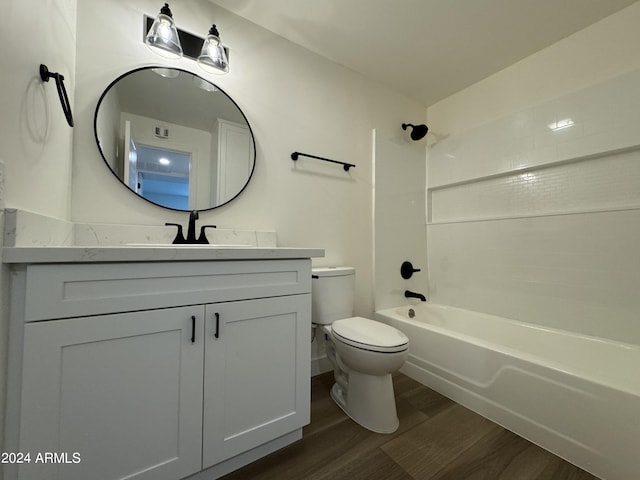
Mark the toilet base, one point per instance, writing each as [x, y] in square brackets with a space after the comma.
[369, 401]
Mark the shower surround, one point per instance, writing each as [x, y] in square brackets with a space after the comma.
[533, 272]
[540, 224]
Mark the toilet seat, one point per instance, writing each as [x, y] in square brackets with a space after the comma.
[369, 335]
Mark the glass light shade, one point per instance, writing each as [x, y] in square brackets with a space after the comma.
[166, 72]
[163, 35]
[203, 84]
[213, 58]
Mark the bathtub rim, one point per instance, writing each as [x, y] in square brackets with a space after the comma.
[632, 389]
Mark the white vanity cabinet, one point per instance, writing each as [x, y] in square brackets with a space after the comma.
[156, 370]
[254, 387]
[122, 391]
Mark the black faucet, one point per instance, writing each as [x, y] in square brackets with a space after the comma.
[179, 236]
[191, 231]
[410, 294]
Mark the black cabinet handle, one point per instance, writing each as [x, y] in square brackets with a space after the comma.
[193, 329]
[217, 332]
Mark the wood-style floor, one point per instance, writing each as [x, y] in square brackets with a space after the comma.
[437, 439]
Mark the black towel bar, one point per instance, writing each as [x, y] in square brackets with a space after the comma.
[345, 165]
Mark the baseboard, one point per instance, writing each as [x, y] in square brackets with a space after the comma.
[246, 458]
[320, 365]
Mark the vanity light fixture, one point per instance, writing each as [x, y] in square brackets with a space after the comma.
[209, 52]
[163, 35]
[166, 72]
[213, 58]
[204, 85]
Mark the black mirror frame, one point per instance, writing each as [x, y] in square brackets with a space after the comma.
[150, 67]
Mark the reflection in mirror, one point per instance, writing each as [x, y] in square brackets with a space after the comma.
[174, 138]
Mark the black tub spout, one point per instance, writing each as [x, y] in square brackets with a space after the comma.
[410, 294]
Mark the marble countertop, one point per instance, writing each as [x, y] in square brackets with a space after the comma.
[154, 253]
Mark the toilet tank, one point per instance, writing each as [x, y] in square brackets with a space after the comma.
[332, 294]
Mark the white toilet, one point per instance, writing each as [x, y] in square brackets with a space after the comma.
[363, 352]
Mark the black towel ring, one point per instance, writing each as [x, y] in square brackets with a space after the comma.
[45, 75]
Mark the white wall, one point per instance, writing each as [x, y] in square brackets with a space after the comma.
[35, 141]
[399, 216]
[294, 101]
[542, 225]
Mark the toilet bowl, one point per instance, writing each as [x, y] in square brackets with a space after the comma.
[367, 362]
[363, 352]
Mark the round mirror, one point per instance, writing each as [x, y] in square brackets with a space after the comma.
[174, 138]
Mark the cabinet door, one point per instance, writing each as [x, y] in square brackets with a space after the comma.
[257, 378]
[123, 391]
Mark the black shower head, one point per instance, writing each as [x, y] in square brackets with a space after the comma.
[418, 132]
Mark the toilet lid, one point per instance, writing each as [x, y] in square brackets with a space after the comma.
[369, 335]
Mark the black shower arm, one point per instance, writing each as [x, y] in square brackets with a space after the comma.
[45, 75]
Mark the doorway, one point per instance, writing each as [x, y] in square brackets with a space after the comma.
[163, 176]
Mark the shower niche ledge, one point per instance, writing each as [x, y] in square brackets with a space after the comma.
[174, 368]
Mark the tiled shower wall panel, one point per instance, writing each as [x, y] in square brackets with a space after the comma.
[606, 119]
[544, 228]
[604, 183]
[573, 272]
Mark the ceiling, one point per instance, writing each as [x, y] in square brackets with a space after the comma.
[426, 49]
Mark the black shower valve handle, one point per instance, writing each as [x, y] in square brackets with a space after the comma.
[407, 270]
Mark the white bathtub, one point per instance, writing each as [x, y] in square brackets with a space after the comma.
[576, 396]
